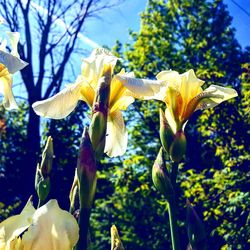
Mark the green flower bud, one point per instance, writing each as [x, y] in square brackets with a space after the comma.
[116, 243]
[47, 157]
[43, 188]
[73, 195]
[178, 147]
[166, 133]
[160, 176]
[195, 229]
[98, 126]
[86, 171]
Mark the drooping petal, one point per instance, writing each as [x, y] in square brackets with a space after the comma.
[117, 136]
[214, 95]
[140, 88]
[122, 103]
[52, 228]
[14, 39]
[12, 227]
[60, 105]
[92, 67]
[13, 63]
[9, 101]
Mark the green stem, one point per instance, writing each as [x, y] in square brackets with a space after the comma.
[172, 208]
[83, 225]
[173, 224]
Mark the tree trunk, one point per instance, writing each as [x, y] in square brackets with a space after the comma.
[28, 168]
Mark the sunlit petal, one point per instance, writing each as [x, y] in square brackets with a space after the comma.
[171, 120]
[9, 101]
[117, 136]
[87, 91]
[3, 45]
[92, 66]
[52, 228]
[60, 105]
[140, 88]
[12, 227]
[214, 95]
[122, 103]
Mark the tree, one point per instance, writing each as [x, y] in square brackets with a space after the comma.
[50, 32]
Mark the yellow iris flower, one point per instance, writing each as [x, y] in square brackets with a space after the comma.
[9, 64]
[124, 87]
[183, 95]
[48, 227]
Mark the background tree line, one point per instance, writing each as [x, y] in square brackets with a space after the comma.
[177, 35]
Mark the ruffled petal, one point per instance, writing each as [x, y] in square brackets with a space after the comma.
[92, 67]
[9, 101]
[214, 95]
[52, 228]
[140, 88]
[60, 105]
[12, 227]
[13, 63]
[117, 136]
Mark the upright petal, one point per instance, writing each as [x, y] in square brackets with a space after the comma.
[52, 228]
[117, 136]
[60, 105]
[214, 95]
[92, 66]
[190, 86]
[140, 88]
[12, 227]
[14, 39]
[9, 101]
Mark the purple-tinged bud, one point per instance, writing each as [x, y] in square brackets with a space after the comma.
[195, 229]
[166, 133]
[86, 171]
[178, 147]
[47, 157]
[160, 176]
[98, 125]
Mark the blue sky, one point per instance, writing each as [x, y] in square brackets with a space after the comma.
[115, 23]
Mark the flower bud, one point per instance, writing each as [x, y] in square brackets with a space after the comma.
[47, 157]
[73, 193]
[43, 188]
[195, 229]
[166, 133]
[178, 147]
[160, 176]
[86, 171]
[116, 243]
[98, 126]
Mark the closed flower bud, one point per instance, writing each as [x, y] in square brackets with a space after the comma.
[160, 176]
[166, 133]
[98, 126]
[86, 171]
[116, 243]
[47, 157]
[43, 188]
[73, 193]
[195, 229]
[178, 147]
